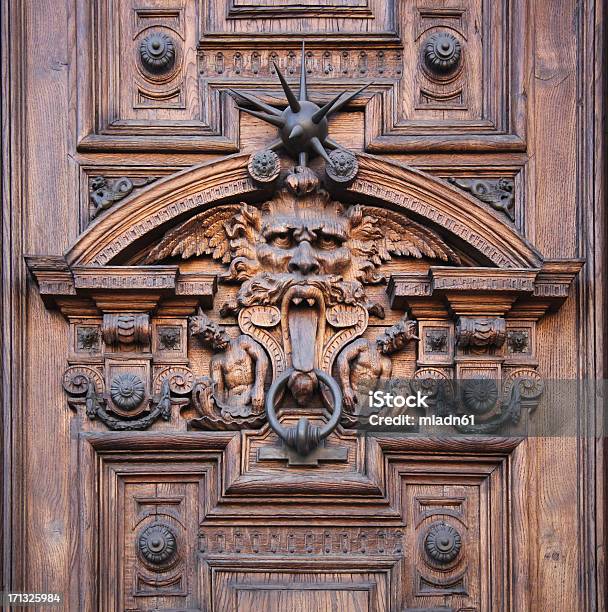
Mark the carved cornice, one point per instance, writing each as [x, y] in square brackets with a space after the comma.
[529, 293]
[115, 288]
[136, 222]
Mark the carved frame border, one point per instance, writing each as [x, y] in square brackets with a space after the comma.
[216, 453]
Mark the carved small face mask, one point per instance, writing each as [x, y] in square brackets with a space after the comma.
[217, 338]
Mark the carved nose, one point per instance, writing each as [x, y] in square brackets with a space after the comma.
[303, 260]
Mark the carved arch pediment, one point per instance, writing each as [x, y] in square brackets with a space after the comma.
[307, 260]
[139, 221]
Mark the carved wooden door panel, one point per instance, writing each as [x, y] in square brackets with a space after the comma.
[250, 226]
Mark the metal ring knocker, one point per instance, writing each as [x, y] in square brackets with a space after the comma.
[305, 436]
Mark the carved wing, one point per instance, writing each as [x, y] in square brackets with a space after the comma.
[376, 234]
[208, 233]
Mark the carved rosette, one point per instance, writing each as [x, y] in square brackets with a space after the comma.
[127, 391]
[157, 545]
[479, 396]
[264, 166]
[157, 52]
[343, 167]
[442, 53]
[442, 543]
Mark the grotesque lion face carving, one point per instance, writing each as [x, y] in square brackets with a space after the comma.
[305, 237]
[309, 256]
[304, 240]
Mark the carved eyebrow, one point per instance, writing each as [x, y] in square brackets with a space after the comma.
[333, 232]
[278, 228]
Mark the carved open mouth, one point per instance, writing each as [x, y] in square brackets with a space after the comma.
[303, 318]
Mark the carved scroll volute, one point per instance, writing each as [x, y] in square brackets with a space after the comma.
[126, 332]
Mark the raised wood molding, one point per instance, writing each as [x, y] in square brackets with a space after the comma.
[13, 539]
[228, 532]
[531, 290]
[214, 45]
[136, 288]
[560, 204]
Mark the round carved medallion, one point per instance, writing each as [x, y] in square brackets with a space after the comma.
[442, 53]
[479, 395]
[157, 52]
[157, 544]
[343, 167]
[442, 542]
[264, 166]
[127, 391]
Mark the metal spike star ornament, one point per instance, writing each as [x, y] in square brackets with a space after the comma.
[303, 126]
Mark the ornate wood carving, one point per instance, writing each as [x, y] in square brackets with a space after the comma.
[365, 366]
[399, 187]
[238, 372]
[176, 520]
[302, 263]
[442, 53]
[303, 127]
[497, 193]
[480, 334]
[411, 107]
[304, 541]
[299, 261]
[157, 52]
[126, 332]
[104, 193]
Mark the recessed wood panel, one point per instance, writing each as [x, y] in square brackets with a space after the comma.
[246, 591]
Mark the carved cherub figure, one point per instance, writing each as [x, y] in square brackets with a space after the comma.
[365, 364]
[238, 368]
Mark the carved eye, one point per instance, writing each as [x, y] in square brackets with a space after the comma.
[282, 240]
[328, 242]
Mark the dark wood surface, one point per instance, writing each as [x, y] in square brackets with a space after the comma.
[525, 104]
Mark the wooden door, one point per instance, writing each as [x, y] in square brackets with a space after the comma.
[218, 245]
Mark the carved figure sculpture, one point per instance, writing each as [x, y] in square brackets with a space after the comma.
[365, 365]
[238, 368]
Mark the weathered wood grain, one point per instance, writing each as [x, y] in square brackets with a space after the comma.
[528, 104]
